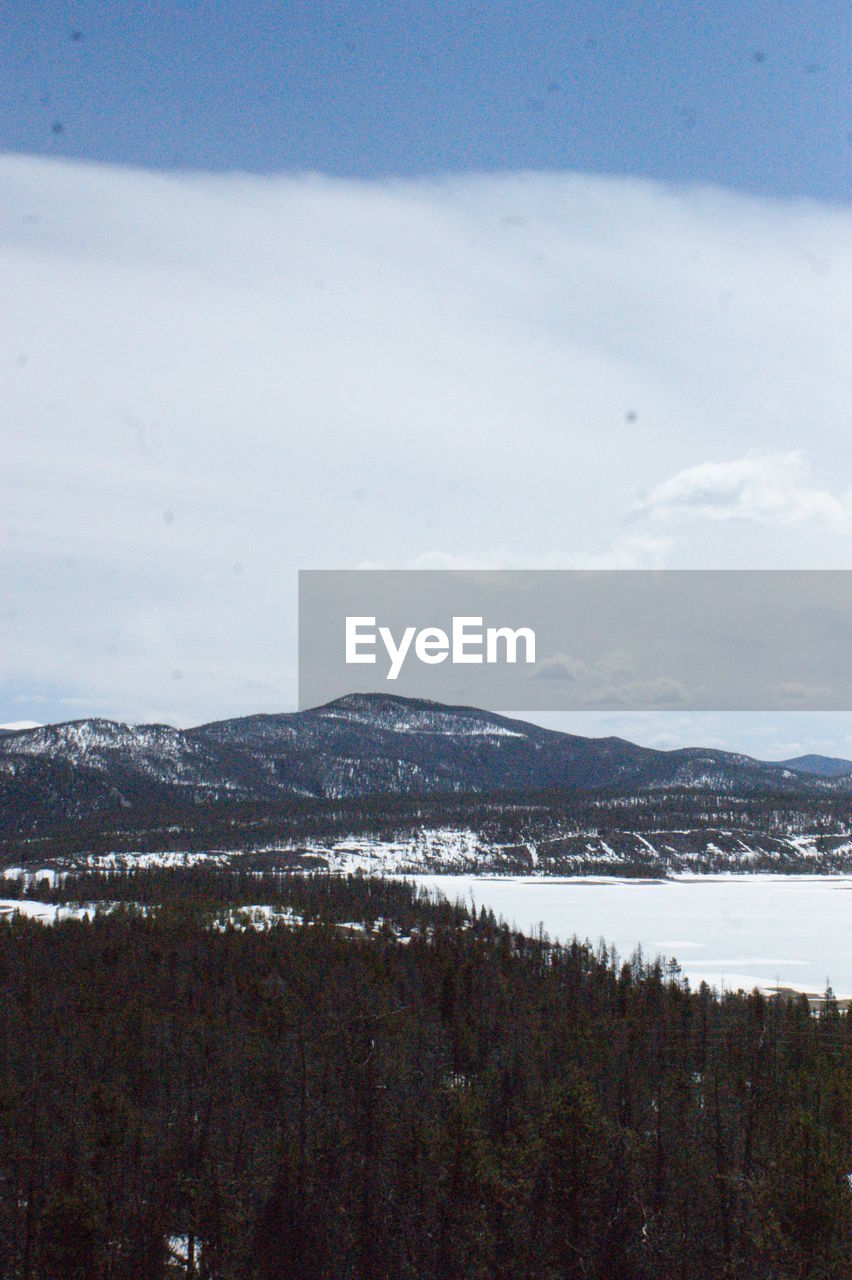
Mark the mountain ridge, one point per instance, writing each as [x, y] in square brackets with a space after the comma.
[355, 746]
[819, 766]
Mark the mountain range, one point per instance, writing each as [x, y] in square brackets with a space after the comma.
[357, 746]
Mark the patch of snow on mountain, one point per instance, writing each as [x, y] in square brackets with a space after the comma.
[444, 847]
[405, 718]
[804, 845]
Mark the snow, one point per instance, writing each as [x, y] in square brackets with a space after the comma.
[430, 847]
[804, 846]
[45, 912]
[178, 1248]
[731, 931]
[402, 718]
[142, 861]
[461, 850]
[261, 917]
[265, 916]
[50, 874]
[258, 916]
[113, 862]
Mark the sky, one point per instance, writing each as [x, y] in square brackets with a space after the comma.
[751, 95]
[406, 286]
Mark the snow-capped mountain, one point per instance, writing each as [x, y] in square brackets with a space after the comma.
[356, 746]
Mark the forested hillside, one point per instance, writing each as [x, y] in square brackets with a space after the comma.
[427, 1095]
[555, 832]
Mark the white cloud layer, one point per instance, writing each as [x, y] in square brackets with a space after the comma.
[630, 552]
[768, 488]
[209, 382]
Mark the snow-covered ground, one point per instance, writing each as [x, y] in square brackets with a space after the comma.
[112, 862]
[456, 850]
[45, 912]
[435, 846]
[729, 931]
[461, 850]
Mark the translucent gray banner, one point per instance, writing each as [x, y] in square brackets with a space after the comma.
[746, 640]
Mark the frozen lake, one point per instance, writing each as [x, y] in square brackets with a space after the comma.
[744, 931]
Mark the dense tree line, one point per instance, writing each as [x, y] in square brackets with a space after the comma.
[207, 888]
[435, 1098]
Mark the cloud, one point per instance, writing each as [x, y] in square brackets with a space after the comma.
[211, 382]
[794, 693]
[633, 552]
[763, 488]
[766, 736]
[610, 681]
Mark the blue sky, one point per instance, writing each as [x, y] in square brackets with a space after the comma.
[749, 95]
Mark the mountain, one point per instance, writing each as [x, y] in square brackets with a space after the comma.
[357, 746]
[818, 766]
